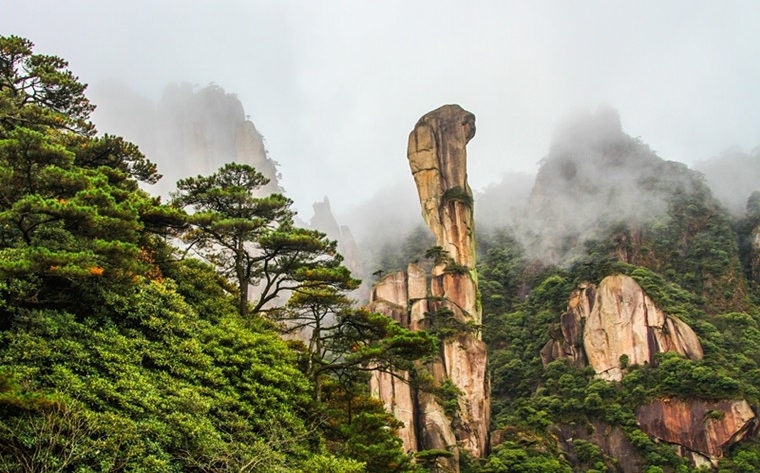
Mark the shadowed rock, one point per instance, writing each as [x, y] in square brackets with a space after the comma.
[704, 427]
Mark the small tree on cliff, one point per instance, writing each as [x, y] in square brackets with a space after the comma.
[252, 240]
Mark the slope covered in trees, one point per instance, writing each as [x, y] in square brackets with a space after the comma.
[119, 354]
[616, 208]
[129, 342]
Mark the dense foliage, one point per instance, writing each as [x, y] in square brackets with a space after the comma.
[120, 353]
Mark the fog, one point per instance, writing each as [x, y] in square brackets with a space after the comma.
[595, 176]
[733, 176]
[335, 87]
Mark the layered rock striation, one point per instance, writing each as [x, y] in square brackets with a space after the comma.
[417, 299]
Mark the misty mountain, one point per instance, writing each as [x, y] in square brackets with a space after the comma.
[190, 131]
[594, 176]
[733, 176]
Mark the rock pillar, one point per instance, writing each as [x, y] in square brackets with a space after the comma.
[438, 159]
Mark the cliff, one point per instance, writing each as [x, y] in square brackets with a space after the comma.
[602, 191]
[324, 221]
[437, 158]
[615, 325]
[703, 429]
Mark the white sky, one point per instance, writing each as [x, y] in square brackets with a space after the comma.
[335, 87]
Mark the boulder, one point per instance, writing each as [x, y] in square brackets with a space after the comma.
[625, 322]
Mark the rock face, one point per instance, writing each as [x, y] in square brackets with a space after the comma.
[437, 157]
[625, 321]
[390, 296]
[706, 428]
[618, 319]
[569, 343]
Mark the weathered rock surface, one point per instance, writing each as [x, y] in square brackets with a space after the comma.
[705, 427]
[618, 319]
[625, 321]
[398, 400]
[389, 297]
[437, 157]
[437, 154]
[569, 343]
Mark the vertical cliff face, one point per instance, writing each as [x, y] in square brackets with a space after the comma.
[705, 428]
[189, 132]
[438, 160]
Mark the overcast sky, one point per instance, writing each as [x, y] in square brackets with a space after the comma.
[335, 87]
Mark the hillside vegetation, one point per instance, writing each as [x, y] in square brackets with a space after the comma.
[213, 334]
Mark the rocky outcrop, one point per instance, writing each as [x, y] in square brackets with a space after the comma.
[704, 428]
[569, 343]
[419, 411]
[437, 157]
[618, 321]
[204, 129]
[397, 396]
[625, 322]
[324, 221]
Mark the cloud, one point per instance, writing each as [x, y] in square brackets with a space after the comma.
[336, 86]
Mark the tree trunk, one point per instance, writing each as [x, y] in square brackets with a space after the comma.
[242, 278]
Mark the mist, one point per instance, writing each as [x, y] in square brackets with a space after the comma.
[332, 102]
[336, 99]
[733, 175]
[594, 176]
